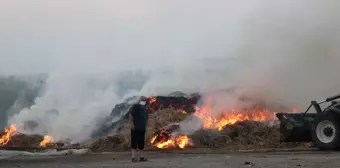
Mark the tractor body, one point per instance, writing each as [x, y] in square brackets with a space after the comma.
[321, 127]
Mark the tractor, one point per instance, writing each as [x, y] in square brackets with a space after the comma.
[322, 127]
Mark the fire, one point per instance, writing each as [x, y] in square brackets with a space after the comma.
[182, 141]
[8, 132]
[211, 118]
[231, 117]
[47, 140]
[172, 142]
[164, 138]
[152, 100]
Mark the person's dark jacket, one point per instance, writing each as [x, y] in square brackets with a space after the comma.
[140, 116]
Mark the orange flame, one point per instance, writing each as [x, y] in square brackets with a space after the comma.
[229, 118]
[47, 140]
[8, 133]
[170, 143]
[152, 100]
[180, 141]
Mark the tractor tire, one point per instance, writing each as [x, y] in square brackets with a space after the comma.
[326, 132]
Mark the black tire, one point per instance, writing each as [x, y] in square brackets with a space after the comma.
[284, 135]
[326, 132]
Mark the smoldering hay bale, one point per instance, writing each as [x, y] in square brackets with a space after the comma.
[163, 118]
[116, 142]
[246, 133]
[22, 140]
[243, 135]
[121, 141]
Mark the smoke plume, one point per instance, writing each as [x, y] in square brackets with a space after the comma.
[280, 51]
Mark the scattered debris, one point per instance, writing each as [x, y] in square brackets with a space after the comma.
[249, 164]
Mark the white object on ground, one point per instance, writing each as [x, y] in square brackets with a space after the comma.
[53, 152]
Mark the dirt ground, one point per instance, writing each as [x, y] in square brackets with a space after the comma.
[196, 159]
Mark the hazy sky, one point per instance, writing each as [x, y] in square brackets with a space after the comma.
[41, 35]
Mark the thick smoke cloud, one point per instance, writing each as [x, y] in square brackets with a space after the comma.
[279, 51]
[293, 47]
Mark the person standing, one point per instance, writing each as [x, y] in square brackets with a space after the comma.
[138, 121]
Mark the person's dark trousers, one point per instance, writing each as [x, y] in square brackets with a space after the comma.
[137, 139]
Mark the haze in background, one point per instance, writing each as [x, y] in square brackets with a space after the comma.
[275, 50]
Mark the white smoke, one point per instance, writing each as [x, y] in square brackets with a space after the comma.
[293, 49]
[279, 50]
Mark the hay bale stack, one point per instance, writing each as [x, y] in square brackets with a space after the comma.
[243, 135]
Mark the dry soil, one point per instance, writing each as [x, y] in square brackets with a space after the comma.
[195, 159]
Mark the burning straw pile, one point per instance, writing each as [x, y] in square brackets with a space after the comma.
[239, 135]
[22, 140]
[243, 135]
[11, 139]
[249, 127]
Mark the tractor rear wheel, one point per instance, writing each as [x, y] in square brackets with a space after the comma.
[326, 132]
